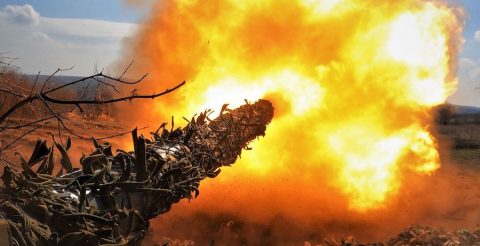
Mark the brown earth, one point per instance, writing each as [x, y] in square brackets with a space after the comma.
[81, 126]
[449, 199]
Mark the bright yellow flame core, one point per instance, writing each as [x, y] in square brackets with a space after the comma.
[418, 40]
[368, 175]
[351, 81]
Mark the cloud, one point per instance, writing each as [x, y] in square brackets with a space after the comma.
[22, 14]
[477, 36]
[469, 76]
[44, 44]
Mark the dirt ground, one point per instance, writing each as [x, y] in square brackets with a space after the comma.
[460, 145]
[81, 126]
[449, 200]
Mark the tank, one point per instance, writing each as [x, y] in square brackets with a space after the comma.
[112, 197]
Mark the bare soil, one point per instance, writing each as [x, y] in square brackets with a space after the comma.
[80, 125]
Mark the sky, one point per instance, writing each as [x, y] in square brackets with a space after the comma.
[88, 34]
[46, 34]
[468, 91]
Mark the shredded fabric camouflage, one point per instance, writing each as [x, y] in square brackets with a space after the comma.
[110, 200]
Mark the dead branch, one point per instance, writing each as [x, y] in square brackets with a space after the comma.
[46, 97]
[126, 98]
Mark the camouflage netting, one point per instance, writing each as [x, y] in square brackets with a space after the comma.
[111, 198]
[415, 235]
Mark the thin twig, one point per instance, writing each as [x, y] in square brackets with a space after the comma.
[107, 84]
[60, 121]
[12, 93]
[126, 70]
[120, 134]
[17, 106]
[25, 134]
[58, 101]
[28, 124]
[44, 95]
[34, 83]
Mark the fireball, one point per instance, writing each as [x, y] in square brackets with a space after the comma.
[352, 82]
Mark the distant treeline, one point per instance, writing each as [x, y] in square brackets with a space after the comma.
[12, 80]
[449, 114]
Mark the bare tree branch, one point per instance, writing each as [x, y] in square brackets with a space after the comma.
[126, 98]
[47, 98]
[22, 136]
[34, 83]
[29, 124]
[18, 105]
[120, 134]
[12, 93]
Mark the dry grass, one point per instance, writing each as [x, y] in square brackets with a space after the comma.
[464, 136]
[94, 120]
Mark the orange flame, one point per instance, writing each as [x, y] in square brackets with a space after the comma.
[352, 82]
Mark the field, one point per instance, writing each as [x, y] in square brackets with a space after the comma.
[81, 126]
